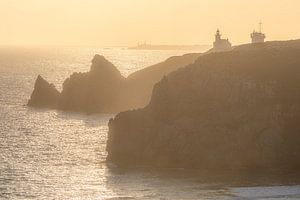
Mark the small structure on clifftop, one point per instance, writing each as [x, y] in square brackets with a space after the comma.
[258, 37]
[221, 44]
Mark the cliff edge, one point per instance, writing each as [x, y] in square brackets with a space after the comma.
[229, 110]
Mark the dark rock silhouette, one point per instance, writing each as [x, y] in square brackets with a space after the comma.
[235, 110]
[44, 94]
[104, 90]
[94, 91]
[140, 83]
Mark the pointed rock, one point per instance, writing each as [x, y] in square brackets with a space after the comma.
[44, 94]
[103, 66]
[98, 90]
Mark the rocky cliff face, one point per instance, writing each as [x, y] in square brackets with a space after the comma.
[140, 83]
[104, 90]
[44, 94]
[98, 90]
[229, 110]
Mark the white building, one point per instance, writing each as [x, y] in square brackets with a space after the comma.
[258, 37]
[221, 44]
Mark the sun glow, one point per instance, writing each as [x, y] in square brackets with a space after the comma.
[125, 22]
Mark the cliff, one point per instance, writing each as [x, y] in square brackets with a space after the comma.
[140, 83]
[104, 90]
[229, 110]
[44, 95]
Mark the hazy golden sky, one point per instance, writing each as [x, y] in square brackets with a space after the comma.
[125, 22]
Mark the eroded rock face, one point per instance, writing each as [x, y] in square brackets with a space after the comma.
[230, 110]
[98, 90]
[104, 90]
[140, 83]
[44, 94]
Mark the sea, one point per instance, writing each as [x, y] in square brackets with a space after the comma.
[49, 154]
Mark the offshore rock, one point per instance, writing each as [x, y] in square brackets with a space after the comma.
[98, 90]
[44, 94]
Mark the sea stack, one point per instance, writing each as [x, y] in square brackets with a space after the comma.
[98, 90]
[44, 95]
[234, 110]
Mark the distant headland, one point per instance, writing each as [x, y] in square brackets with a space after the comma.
[146, 46]
[219, 44]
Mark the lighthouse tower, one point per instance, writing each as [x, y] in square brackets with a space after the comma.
[258, 37]
[221, 44]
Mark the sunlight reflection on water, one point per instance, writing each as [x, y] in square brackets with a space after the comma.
[48, 154]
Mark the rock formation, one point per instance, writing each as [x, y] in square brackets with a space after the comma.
[104, 90]
[237, 110]
[140, 83]
[44, 95]
[98, 90]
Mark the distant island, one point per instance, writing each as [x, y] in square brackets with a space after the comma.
[146, 46]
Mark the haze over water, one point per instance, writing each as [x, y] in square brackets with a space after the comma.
[48, 154]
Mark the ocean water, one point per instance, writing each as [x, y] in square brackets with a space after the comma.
[49, 154]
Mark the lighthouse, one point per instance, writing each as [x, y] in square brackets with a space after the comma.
[221, 44]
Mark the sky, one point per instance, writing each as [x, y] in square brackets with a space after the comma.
[127, 22]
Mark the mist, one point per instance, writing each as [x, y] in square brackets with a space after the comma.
[149, 99]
